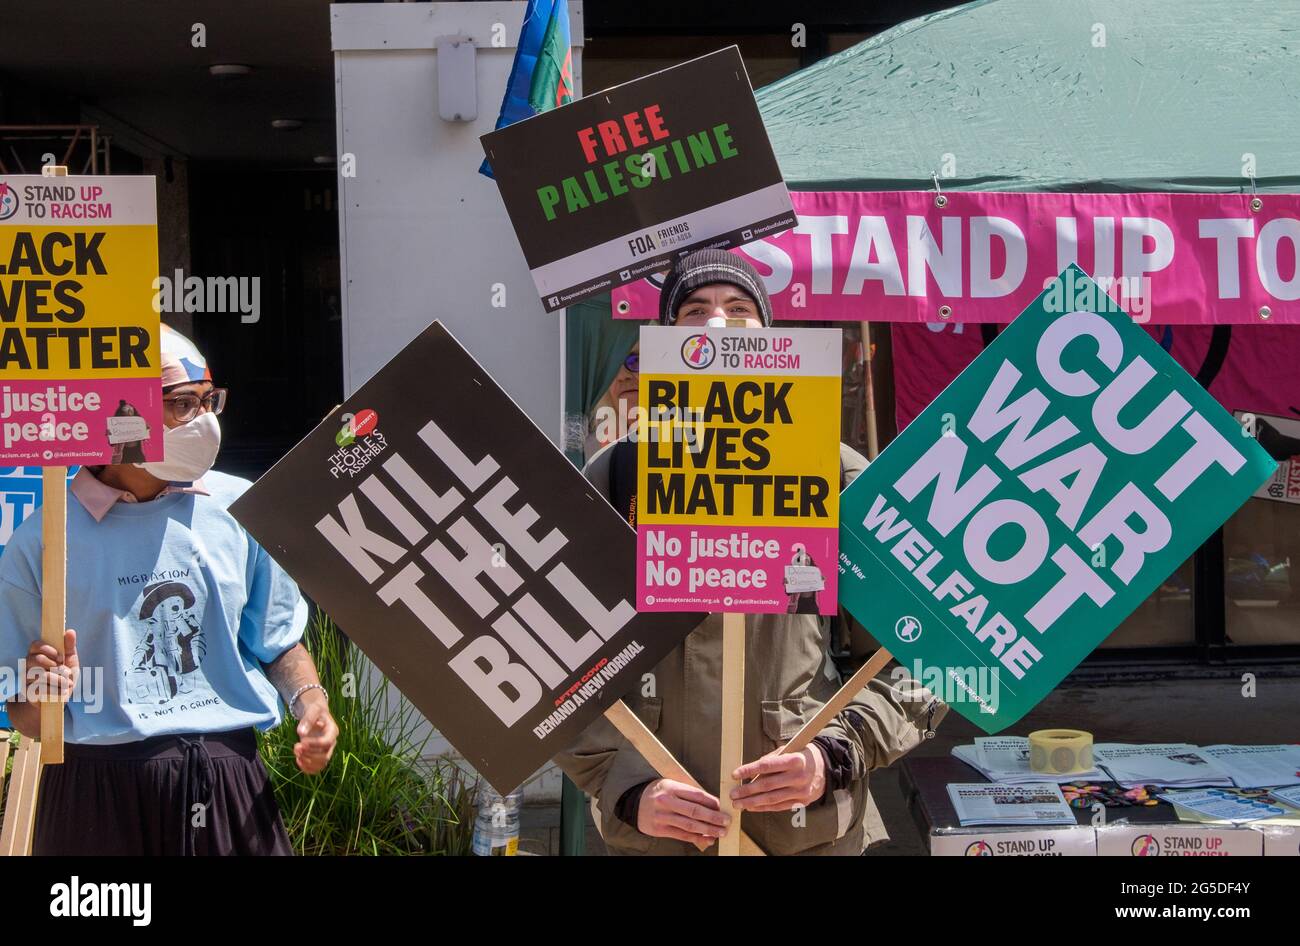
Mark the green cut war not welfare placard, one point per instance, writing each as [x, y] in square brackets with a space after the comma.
[1066, 473]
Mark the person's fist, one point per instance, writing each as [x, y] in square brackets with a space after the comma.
[318, 734]
[781, 781]
[671, 809]
[49, 676]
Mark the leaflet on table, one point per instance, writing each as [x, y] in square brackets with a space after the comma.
[1004, 753]
[1258, 766]
[1173, 764]
[1288, 796]
[1220, 805]
[1006, 759]
[1277, 823]
[1032, 803]
[1017, 776]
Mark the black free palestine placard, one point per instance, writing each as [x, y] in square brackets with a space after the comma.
[469, 560]
[586, 214]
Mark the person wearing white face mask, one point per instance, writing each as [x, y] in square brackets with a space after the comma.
[188, 636]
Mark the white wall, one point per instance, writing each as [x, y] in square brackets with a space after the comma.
[422, 234]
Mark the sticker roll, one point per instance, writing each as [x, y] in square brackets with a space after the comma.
[1060, 751]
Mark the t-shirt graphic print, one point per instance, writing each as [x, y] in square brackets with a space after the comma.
[170, 648]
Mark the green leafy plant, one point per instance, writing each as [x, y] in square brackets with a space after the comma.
[379, 795]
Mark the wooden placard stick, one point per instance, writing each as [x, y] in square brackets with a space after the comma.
[663, 762]
[27, 815]
[54, 567]
[841, 699]
[733, 724]
[733, 711]
[20, 806]
[4, 758]
[13, 799]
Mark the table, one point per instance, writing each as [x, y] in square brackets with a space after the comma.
[1138, 831]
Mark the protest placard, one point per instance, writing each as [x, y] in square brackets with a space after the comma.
[1038, 501]
[1280, 436]
[20, 496]
[78, 348]
[470, 561]
[903, 256]
[617, 184]
[738, 469]
[78, 330]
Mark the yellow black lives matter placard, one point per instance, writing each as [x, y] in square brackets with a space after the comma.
[738, 469]
[78, 328]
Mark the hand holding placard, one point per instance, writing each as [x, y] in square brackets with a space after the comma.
[737, 467]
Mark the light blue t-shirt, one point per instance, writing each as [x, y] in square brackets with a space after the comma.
[175, 608]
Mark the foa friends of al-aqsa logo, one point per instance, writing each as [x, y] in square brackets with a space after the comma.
[359, 441]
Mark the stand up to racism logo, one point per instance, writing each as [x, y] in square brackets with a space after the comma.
[698, 352]
[8, 201]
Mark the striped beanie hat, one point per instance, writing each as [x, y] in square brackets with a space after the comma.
[182, 362]
[704, 267]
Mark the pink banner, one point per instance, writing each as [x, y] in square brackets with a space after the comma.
[1244, 370]
[897, 256]
[756, 569]
[72, 423]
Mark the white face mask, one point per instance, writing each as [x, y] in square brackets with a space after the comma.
[188, 450]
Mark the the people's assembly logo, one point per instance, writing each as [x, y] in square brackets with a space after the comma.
[359, 441]
[698, 352]
[356, 425]
[8, 201]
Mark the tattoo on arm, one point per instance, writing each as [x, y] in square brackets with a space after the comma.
[291, 670]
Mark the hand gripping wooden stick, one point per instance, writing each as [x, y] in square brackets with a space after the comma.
[663, 762]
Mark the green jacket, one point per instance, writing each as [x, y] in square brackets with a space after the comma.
[788, 676]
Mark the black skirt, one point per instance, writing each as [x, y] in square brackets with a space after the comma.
[203, 794]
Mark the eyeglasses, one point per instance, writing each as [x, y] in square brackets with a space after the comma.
[633, 363]
[185, 407]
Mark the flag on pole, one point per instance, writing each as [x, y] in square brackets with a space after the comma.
[542, 75]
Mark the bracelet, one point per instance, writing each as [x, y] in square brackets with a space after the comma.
[300, 691]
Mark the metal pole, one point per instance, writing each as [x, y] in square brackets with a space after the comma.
[873, 438]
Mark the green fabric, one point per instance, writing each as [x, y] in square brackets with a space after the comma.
[596, 345]
[1018, 95]
[549, 80]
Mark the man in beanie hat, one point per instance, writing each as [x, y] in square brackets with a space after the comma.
[714, 282]
[809, 802]
[187, 638]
